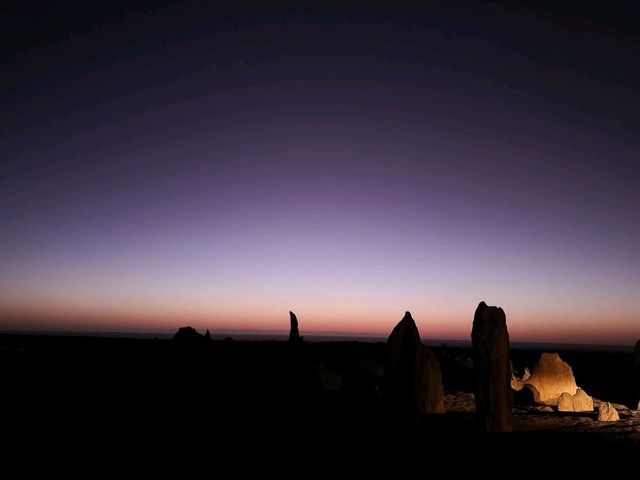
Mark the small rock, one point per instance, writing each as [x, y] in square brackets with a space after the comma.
[543, 408]
[580, 402]
[606, 413]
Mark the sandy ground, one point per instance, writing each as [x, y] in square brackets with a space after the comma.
[547, 419]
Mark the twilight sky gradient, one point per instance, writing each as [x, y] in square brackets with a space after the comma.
[179, 164]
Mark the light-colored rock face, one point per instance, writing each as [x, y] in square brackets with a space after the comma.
[518, 384]
[606, 413]
[551, 378]
[580, 402]
[565, 403]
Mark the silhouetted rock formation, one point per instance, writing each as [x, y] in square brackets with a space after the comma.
[492, 368]
[302, 385]
[187, 335]
[412, 375]
[580, 402]
[636, 353]
[294, 333]
[429, 388]
[400, 366]
[207, 335]
[607, 413]
[552, 377]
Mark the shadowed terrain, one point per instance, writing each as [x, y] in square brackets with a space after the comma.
[165, 391]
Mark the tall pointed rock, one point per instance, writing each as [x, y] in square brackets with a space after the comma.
[294, 333]
[400, 366]
[492, 369]
[413, 381]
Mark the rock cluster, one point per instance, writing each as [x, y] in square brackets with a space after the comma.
[580, 402]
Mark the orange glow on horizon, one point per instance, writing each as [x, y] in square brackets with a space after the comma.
[432, 325]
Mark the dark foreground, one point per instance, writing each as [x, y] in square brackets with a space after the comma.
[326, 398]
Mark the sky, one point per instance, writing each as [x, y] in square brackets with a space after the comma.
[177, 163]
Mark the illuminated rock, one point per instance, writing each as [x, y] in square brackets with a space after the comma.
[518, 384]
[492, 369]
[429, 388]
[294, 333]
[551, 378]
[580, 402]
[606, 413]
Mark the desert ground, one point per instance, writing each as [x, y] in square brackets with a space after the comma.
[163, 390]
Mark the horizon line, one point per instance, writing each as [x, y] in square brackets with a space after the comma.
[247, 332]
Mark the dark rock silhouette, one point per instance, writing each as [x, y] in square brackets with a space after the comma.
[207, 335]
[187, 335]
[302, 383]
[400, 366]
[294, 333]
[429, 388]
[492, 369]
[412, 376]
[636, 353]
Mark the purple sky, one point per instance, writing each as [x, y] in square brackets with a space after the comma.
[181, 165]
